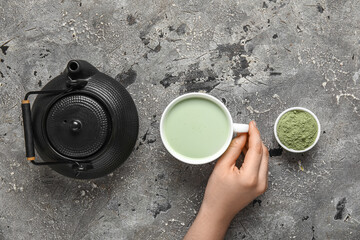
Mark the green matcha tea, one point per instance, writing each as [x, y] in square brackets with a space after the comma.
[297, 129]
[196, 127]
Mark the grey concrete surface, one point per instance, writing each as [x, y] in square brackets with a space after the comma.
[258, 57]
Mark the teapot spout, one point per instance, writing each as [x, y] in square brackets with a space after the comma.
[79, 72]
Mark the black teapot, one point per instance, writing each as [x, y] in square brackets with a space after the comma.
[83, 123]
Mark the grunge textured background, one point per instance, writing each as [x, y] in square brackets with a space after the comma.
[258, 57]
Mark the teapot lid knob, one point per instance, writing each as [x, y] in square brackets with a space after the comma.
[75, 125]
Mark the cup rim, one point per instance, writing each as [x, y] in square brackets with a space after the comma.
[189, 160]
[301, 109]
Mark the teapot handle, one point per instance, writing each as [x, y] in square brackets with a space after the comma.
[28, 131]
[77, 79]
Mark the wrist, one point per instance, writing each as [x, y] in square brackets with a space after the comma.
[215, 217]
[209, 224]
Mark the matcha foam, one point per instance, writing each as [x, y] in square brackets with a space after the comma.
[297, 129]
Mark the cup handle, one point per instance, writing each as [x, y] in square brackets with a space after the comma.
[240, 128]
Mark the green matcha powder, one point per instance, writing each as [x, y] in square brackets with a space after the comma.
[297, 129]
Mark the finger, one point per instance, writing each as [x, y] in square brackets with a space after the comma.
[264, 167]
[253, 156]
[228, 159]
[245, 149]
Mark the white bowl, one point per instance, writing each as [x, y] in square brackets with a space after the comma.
[301, 109]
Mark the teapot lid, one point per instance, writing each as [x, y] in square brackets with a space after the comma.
[77, 125]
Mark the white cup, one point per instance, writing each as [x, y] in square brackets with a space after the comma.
[300, 109]
[236, 128]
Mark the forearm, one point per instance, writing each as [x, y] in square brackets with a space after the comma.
[208, 225]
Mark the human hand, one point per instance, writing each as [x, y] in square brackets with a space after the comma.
[229, 188]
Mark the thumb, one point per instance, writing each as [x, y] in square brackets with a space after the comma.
[228, 159]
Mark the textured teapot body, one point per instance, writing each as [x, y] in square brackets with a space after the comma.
[94, 125]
